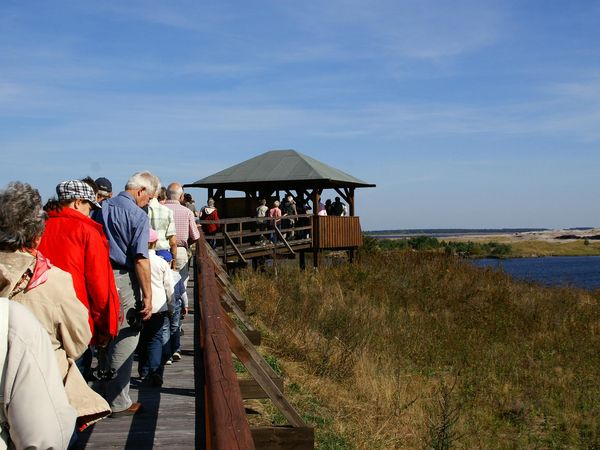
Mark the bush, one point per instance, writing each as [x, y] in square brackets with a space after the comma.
[427, 243]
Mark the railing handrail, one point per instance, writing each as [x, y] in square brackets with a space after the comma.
[226, 424]
[253, 219]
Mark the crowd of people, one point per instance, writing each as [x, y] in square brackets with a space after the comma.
[283, 215]
[89, 276]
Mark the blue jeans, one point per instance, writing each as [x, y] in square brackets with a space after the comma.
[174, 344]
[150, 348]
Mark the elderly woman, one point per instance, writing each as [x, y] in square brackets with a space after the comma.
[27, 277]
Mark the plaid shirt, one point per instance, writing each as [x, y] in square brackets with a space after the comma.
[185, 225]
[161, 219]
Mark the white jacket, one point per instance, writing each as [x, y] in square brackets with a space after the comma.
[35, 405]
[162, 283]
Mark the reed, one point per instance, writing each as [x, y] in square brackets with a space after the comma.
[422, 350]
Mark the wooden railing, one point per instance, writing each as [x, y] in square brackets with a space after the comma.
[225, 425]
[221, 420]
[241, 236]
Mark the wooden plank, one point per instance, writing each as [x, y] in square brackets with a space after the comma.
[227, 425]
[261, 372]
[285, 242]
[251, 389]
[241, 315]
[167, 418]
[235, 247]
[283, 438]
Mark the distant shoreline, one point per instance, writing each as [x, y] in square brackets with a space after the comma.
[517, 233]
[524, 242]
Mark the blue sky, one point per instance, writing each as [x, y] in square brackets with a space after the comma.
[464, 113]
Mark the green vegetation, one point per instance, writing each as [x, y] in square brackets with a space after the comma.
[421, 350]
[426, 243]
[556, 248]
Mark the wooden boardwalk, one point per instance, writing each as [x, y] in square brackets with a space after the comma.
[167, 420]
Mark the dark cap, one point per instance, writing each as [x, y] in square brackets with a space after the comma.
[104, 185]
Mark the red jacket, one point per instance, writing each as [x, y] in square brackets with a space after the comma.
[77, 244]
[209, 213]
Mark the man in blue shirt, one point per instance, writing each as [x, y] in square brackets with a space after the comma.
[127, 229]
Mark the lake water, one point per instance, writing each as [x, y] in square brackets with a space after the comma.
[579, 271]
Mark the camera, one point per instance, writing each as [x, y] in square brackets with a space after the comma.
[134, 318]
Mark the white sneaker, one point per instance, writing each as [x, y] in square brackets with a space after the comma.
[176, 356]
[169, 362]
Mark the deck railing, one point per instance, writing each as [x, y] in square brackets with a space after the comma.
[241, 236]
[221, 419]
[221, 422]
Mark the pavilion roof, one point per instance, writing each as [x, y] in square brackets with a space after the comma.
[279, 169]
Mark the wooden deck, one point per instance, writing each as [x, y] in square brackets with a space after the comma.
[167, 420]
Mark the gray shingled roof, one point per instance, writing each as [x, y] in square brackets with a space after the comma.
[280, 166]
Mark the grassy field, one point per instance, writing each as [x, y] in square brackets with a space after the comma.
[420, 350]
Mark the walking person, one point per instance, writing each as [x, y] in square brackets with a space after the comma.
[28, 277]
[187, 234]
[34, 410]
[150, 348]
[162, 221]
[77, 244]
[126, 226]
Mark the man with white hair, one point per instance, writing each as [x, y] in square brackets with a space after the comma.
[187, 234]
[127, 229]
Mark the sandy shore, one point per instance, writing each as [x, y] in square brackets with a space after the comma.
[548, 236]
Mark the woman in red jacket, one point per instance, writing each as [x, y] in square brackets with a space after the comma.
[75, 243]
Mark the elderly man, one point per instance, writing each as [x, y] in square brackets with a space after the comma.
[126, 226]
[187, 234]
[104, 189]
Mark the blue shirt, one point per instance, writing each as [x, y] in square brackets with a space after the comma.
[127, 229]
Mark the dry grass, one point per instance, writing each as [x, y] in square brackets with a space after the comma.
[402, 346]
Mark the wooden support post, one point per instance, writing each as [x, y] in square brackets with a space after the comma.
[302, 260]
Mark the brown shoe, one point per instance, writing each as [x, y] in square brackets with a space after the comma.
[133, 409]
